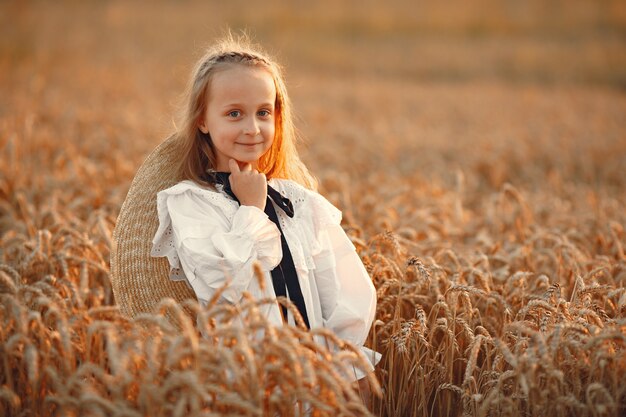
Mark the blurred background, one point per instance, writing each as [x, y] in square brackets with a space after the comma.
[427, 89]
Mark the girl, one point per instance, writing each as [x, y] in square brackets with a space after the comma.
[248, 199]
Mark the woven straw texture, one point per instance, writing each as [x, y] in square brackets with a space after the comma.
[139, 281]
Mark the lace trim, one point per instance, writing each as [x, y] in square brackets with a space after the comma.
[313, 215]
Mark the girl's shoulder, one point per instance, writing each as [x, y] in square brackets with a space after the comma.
[187, 186]
[306, 202]
[295, 192]
[195, 192]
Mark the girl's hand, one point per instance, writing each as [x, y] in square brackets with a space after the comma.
[248, 185]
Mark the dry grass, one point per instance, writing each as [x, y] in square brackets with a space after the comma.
[478, 159]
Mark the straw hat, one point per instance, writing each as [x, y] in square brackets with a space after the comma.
[140, 281]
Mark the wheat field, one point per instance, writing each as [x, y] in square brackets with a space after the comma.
[477, 151]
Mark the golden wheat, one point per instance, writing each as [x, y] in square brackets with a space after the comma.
[480, 177]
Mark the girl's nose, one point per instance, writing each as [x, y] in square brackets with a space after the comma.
[251, 128]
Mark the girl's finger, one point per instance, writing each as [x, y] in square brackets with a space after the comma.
[232, 164]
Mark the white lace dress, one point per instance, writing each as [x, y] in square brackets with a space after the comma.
[207, 237]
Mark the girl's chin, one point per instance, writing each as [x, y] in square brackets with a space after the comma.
[251, 161]
[243, 163]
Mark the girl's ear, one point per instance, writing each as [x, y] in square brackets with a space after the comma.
[202, 125]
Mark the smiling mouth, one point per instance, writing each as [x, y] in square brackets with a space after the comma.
[249, 144]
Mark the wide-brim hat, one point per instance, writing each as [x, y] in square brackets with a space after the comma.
[140, 281]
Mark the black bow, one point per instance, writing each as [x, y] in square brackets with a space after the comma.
[223, 178]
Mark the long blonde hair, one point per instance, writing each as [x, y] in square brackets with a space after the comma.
[198, 156]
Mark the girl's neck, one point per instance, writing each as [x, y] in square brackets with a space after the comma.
[242, 165]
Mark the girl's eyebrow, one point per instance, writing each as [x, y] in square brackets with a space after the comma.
[236, 104]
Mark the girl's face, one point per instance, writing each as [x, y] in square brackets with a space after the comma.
[239, 114]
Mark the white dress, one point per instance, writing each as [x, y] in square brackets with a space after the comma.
[207, 237]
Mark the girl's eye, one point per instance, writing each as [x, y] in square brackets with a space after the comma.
[234, 113]
[264, 113]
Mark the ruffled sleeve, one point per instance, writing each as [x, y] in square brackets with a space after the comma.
[347, 295]
[213, 240]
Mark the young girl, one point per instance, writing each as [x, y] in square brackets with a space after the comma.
[247, 198]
